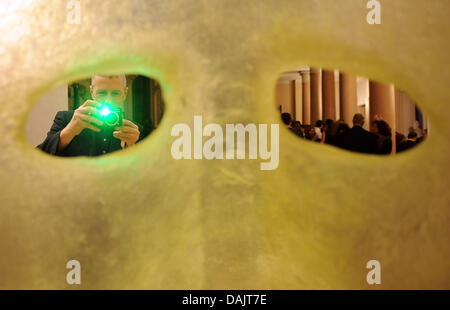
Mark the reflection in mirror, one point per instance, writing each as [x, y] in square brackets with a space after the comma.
[96, 116]
[349, 112]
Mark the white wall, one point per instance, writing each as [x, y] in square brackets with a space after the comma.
[41, 117]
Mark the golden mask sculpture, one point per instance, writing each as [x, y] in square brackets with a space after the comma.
[141, 219]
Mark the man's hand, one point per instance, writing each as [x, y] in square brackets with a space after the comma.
[128, 133]
[83, 117]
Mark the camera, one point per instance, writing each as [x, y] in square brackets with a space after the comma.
[111, 116]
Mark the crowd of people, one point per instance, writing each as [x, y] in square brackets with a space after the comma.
[338, 133]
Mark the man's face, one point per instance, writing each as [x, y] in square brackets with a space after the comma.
[109, 90]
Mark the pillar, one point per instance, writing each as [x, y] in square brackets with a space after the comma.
[382, 103]
[328, 95]
[337, 90]
[292, 101]
[316, 95]
[298, 88]
[348, 97]
[306, 97]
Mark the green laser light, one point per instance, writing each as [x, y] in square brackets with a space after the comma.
[105, 111]
[111, 116]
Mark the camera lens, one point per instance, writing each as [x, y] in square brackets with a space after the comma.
[112, 118]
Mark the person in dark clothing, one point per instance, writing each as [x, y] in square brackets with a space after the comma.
[286, 118]
[358, 139]
[80, 132]
[423, 137]
[341, 132]
[399, 139]
[383, 131]
[309, 132]
[297, 129]
[410, 142]
[330, 132]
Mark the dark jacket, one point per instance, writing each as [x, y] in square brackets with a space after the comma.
[384, 144]
[87, 143]
[358, 139]
[406, 145]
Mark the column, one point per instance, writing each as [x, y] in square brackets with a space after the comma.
[306, 99]
[382, 103]
[316, 95]
[328, 95]
[292, 101]
[337, 95]
[298, 88]
[348, 97]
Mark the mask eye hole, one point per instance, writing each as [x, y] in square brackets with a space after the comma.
[349, 112]
[93, 108]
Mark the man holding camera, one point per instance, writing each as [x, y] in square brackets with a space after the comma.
[94, 128]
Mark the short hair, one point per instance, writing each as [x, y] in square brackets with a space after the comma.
[123, 76]
[296, 124]
[383, 128]
[319, 123]
[358, 119]
[329, 122]
[412, 135]
[286, 117]
[342, 128]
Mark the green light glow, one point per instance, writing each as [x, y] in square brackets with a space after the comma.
[105, 111]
